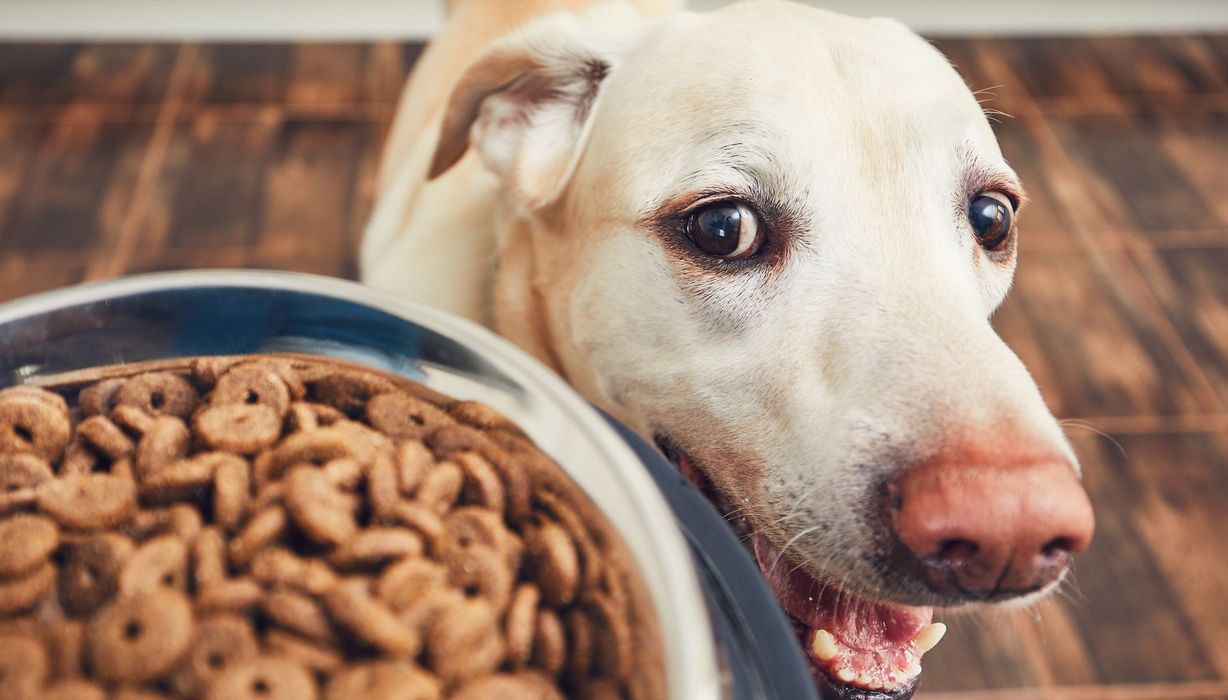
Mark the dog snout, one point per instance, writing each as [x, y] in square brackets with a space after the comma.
[978, 530]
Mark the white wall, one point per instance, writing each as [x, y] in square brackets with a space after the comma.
[401, 19]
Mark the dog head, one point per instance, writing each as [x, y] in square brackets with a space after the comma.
[771, 237]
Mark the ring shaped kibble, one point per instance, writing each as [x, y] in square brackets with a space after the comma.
[273, 527]
[220, 642]
[31, 423]
[140, 637]
[159, 393]
[90, 573]
[252, 385]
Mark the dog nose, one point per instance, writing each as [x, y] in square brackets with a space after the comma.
[989, 531]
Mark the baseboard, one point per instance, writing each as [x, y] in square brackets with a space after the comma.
[300, 20]
[1040, 17]
[220, 20]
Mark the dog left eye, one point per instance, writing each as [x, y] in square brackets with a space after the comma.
[992, 217]
[726, 230]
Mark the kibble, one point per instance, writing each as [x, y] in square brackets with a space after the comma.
[278, 527]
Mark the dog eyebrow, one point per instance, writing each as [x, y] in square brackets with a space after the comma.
[982, 176]
[739, 147]
[738, 164]
[742, 160]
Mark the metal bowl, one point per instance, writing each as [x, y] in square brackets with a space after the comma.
[228, 312]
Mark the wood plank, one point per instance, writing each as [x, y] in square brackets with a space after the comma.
[1197, 690]
[169, 259]
[1096, 75]
[301, 75]
[18, 143]
[1177, 494]
[1217, 48]
[54, 74]
[67, 181]
[286, 189]
[1198, 145]
[1141, 186]
[1055, 68]
[1192, 286]
[314, 209]
[22, 274]
[1137, 628]
[209, 188]
[996, 648]
[1074, 320]
[1146, 71]
[138, 213]
[1115, 74]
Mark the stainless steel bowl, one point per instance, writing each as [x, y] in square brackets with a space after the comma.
[224, 312]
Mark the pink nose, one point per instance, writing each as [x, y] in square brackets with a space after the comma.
[987, 530]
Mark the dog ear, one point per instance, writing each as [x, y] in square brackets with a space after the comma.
[526, 102]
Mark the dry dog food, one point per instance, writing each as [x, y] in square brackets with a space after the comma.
[277, 527]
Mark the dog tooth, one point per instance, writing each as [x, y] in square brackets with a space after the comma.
[930, 636]
[864, 681]
[845, 674]
[824, 645]
[914, 669]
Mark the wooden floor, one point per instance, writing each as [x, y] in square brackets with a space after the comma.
[123, 159]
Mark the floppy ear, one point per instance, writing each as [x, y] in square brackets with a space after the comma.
[526, 103]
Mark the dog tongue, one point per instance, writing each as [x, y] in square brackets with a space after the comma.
[858, 642]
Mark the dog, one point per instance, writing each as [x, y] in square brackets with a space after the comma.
[769, 238]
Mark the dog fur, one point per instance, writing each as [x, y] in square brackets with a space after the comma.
[533, 181]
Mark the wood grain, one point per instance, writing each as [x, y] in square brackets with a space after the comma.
[1075, 320]
[34, 74]
[67, 179]
[302, 75]
[117, 159]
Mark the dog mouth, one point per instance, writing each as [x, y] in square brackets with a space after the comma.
[858, 648]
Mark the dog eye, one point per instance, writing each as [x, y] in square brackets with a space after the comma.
[992, 216]
[726, 230]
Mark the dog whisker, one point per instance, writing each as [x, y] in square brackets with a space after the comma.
[794, 513]
[734, 513]
[780, 555]
[1067, 595]
[1069, 587]
[1076, 423]
[993, 114]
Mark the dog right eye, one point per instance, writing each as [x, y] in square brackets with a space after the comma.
[725, 230]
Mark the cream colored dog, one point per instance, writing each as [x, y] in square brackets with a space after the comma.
[770, 238]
